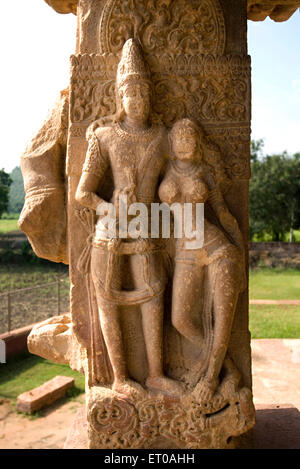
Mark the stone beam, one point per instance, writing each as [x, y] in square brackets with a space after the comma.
[277, 10]
[63, 6]
[258, 10]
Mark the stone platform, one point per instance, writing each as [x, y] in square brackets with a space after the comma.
[277, 427]
[276, 375]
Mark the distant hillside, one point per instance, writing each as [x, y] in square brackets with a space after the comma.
[16, 194]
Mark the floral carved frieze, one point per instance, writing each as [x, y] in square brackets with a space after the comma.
[213, 90]
[192, 26]
[208, 88]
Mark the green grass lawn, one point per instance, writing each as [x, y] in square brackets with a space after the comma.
[274, 284]
[274, 322]
[278, 321]
[8, 225]
[29, 371]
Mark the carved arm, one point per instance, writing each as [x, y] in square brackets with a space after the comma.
[226, 219]
[86, 191]
[93, 171]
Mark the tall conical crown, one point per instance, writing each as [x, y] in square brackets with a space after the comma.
[132, 66]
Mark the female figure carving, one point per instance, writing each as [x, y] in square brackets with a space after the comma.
[210, 278]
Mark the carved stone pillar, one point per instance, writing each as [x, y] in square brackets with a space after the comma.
[196, 52]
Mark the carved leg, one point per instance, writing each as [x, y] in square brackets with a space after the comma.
[111, 328]
[225, 300]
[152, 319]
[185, 301]
[112, 332]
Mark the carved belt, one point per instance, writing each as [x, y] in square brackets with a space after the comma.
[140, 246]
[117, 248]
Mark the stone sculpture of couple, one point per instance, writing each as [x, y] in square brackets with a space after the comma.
[180, 166]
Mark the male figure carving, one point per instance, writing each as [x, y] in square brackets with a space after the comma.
[131, 147]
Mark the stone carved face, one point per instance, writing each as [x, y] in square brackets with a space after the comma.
[136, 100]
[185, 144]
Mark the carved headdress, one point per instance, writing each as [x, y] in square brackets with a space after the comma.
[132, 66]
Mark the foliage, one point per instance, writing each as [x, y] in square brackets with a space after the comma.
[5, 182]
[10, 216]
[274, 194]
[16, 193]
[256, 149]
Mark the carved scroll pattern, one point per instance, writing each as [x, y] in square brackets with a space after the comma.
[119, 423]
[212, 90]
[191, 26]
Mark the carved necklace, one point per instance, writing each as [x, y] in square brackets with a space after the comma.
[188, 171]
[135, 134]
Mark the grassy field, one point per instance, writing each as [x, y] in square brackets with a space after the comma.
[274, 284]
[14, 276]
[8, 225]
[30, 306]
[28, 371]
[274, 322]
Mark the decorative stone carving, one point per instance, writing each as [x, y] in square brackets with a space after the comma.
[159, 112]
[258, 10]
[190, 26]
[129, 145]
[152, 421]
[211, 89]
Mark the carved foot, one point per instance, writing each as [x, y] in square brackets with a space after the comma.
[128, 388]
[165, 385]
[206, 389]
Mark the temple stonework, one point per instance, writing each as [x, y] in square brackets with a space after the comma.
[158, 111]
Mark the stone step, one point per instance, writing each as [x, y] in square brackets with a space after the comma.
[44, 395]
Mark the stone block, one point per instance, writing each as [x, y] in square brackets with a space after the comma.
[44, 395]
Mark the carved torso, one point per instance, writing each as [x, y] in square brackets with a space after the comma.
[194, 185]
[130, 157]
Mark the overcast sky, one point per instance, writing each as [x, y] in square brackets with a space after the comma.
[37, 43]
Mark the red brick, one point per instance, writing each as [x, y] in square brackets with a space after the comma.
[44, 395]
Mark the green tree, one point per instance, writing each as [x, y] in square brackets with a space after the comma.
[256, 149]
[16, 193]
[5, 182]
[275, 196]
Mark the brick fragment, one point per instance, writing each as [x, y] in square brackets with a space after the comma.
[44, 395]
